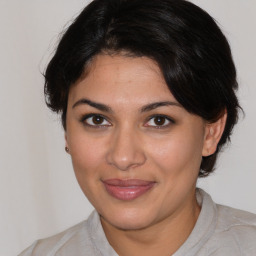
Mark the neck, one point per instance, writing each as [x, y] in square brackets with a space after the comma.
[162, 238]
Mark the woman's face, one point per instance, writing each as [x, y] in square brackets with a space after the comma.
[136, 151]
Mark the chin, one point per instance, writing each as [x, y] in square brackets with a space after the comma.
[129, 219]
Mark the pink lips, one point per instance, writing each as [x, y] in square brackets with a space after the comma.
[127, 189]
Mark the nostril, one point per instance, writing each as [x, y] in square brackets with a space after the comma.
[125, 151]
[126, 160]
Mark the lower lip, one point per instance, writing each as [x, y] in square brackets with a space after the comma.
[127, 193]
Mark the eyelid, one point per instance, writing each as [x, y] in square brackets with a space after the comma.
[87, 116]
[171, 121]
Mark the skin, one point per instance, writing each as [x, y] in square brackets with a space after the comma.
[126, 142]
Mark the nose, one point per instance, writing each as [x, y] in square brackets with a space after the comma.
[126, 150]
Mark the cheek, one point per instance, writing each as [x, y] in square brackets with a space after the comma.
[178, 153]
[87, 155]
[87, 159]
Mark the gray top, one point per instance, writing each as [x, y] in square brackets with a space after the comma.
[219, 231]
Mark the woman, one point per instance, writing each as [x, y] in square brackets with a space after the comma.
[146, 91]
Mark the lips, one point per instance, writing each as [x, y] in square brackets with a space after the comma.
[127, 189]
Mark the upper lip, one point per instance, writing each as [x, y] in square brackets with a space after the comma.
[127, 182]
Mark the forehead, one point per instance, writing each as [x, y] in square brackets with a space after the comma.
[119, 79]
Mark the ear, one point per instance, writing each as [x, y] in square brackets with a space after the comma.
[213, 133]
[66, 143]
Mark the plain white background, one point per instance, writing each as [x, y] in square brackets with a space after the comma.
[39, 195]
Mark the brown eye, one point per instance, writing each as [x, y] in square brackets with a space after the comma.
[96, 120]
[159, 120]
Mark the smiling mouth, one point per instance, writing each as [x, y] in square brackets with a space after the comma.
[127, 189]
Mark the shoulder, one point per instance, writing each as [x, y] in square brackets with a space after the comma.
[236, 229]
[72, 241]
[226, 231]
[230, 217]
[237, 222]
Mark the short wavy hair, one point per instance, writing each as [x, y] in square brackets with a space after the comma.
[185, 41]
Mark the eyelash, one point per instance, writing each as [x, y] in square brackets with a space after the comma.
[167, 118]
[84, 121]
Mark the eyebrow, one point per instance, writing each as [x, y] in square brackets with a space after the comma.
[155, 105]
[106, 108]
[93, 104]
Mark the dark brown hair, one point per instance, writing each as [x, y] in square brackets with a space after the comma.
[189, 47]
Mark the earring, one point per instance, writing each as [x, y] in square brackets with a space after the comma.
[67, 149]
